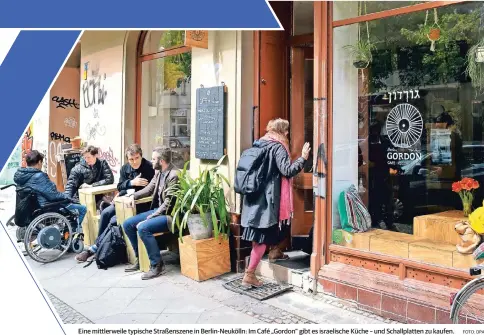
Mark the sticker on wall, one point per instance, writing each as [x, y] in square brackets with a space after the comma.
[86, 67]
[404, 126]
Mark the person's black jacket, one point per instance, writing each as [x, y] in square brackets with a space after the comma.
[261, 210]
[97, 175]
[128, 173]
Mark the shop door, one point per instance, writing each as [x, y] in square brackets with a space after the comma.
[302, 126]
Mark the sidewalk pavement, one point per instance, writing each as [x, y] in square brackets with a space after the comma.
[89, 295]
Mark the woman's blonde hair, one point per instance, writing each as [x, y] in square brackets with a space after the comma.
[279, 126]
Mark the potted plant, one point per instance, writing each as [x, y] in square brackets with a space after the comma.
[361, 53]
[475, 65]
[200, 204]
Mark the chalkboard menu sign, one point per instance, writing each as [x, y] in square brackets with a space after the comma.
[71, 159]
[67, 161]
[210, 126]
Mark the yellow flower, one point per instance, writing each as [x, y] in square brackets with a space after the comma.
[476, 219]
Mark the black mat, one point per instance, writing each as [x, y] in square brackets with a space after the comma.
[266, 291]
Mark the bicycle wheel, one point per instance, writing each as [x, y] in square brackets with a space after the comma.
[466, 307]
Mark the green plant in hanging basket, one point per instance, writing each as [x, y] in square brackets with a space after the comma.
[361, 53]
[475, 66]
[201, 196]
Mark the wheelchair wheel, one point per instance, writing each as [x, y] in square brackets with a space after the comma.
[48, 237]
[78, 244]
[20, 233]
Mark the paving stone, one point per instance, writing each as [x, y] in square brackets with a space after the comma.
[185, 318]
[129, 319]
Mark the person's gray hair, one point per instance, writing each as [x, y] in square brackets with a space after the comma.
[164, 153]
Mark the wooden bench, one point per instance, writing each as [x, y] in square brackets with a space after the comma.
[87, 197]
[123, 212]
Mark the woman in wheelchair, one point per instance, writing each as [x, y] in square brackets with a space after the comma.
[53, 205]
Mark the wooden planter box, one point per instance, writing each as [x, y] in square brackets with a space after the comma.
[204, 259]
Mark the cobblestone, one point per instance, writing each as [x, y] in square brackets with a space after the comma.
[68, 314]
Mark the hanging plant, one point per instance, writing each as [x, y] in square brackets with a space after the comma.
[475, 66]
[361, 52]
[434, 32]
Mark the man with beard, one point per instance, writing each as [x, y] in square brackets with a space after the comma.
[134, 175]
[158, 219]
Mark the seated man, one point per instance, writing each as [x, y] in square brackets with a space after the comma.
[158, 218]
[33, 177]
[89, 172]
[135, 175]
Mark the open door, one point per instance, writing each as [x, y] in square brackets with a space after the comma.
[302, 127]
[271, 84]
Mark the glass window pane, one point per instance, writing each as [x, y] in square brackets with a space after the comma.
[347, 9]
[159, 40]
[161, 103]
[303, 17]
[407, 120]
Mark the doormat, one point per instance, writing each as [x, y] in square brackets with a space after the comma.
[266, 291]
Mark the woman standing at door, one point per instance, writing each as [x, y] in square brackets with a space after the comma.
[266, 214]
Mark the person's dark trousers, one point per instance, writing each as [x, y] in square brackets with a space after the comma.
[158, 224]
[108, 216]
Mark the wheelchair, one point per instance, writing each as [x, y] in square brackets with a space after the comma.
[50, 230]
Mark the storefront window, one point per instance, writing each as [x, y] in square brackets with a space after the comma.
[407, 123]
[160, 40]
[166, 104]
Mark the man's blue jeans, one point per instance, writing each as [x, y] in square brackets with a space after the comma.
[158, 224]
[81, 209]
[108, 217]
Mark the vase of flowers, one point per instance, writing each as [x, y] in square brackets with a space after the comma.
[465, 188]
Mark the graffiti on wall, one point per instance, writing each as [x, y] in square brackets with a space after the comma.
[59, 137]
[96, 123]
[27, 141]
[55, 148]
[109, 157]
[70, 122]
[93, 131]
[64, 102]
[93, 90]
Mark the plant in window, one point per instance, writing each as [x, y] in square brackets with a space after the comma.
[201, 205]
[475, 66]
[361, 51]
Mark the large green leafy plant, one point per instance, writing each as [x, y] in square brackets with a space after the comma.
[201, 195]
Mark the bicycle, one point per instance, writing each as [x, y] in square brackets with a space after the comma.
[463, 296]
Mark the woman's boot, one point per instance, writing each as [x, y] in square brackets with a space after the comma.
[276, 254]
[250, 279]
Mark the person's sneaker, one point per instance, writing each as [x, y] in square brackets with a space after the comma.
[133, 268]
[83, 256]
[155, 271]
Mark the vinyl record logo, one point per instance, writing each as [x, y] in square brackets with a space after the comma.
[404, 126]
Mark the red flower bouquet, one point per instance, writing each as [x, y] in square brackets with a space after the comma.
[465, 188]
